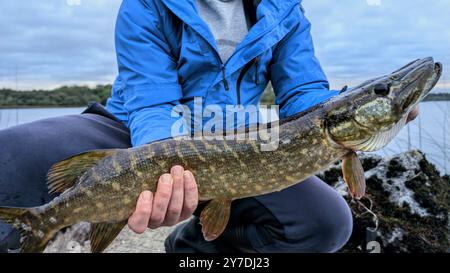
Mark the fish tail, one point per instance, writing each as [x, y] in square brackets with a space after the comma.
[34, 235]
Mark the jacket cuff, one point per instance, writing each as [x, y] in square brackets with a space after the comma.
[147, 95]
[306, 100]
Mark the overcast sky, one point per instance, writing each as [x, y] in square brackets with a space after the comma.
[48, 43]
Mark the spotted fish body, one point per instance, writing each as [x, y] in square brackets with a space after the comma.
[223, 169]
[102, 187]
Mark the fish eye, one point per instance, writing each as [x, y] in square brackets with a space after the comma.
[382, 89]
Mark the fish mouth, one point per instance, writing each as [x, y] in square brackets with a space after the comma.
[421, 68]
[431, 83]
[414, 82]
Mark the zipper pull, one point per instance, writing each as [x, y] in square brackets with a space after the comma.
[225, 81]
[257, 70]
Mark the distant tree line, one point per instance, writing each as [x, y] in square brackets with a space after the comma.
[66, 96]
[437, 97]
[77, 96]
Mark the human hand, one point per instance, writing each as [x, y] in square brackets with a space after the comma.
[174, 201]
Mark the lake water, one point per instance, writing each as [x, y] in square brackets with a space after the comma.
[11, 117]
[429, 133]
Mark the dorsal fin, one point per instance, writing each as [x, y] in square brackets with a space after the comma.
[64, 174]
[102, 234]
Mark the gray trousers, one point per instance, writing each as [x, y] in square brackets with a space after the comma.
[308, 217]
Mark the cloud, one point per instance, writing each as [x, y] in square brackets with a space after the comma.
[50, 43]
[355, 40]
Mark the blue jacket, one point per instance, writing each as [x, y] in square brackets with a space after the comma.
[167, 56]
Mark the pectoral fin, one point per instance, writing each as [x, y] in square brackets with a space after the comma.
[353, 173]
[214, 218]
[102, 234]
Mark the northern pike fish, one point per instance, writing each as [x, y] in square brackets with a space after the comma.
[102, 187]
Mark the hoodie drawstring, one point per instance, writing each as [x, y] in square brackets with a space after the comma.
[257, 59]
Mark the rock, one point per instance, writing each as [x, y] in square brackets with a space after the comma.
[71, 240]
[408, 198]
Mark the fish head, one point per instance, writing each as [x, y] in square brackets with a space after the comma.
[367, 117]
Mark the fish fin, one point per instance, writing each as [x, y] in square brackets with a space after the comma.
[353, 173]
[214, 218]
[102, 235]
[34, 236]
[64, 174]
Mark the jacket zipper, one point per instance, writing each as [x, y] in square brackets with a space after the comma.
[256, 62]
[225, 82]
[222, 67]
[224, 75]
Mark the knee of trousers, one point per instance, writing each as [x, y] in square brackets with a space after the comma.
[319, 234]
[327, 233]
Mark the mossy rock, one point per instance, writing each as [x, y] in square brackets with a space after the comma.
[410, 200]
